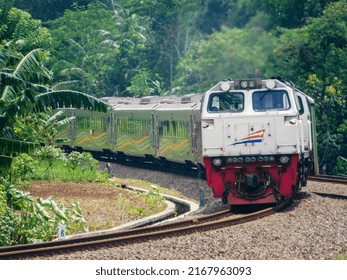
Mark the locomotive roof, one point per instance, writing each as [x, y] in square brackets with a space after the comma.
[249, 84]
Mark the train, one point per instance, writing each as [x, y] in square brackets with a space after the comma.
[252, 139]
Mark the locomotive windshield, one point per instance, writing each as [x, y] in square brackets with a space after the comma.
[270, 100]
[226, 102]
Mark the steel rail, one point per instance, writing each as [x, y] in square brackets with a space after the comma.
[328, 179]
[207, 222]
[331, 195]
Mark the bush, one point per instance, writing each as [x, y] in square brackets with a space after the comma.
[83, 167]
[24, 219]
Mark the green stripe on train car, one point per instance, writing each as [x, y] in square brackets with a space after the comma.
[135, 144]
[175, 148]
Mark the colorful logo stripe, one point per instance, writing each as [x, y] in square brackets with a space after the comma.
[255, 137]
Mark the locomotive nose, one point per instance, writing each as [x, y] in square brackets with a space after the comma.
[252, 182]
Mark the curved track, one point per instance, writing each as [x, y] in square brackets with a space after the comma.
[203, 223]
[329, 179]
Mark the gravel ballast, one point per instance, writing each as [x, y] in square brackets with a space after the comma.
[312, 228]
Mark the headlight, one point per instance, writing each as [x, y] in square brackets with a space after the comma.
[217, 162]
[225, 86]
[270, 84]
[284, 159]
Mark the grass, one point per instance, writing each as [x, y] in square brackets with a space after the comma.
[342, 257]
[60, 171]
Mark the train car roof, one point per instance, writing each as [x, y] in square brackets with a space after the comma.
[168, 102]
[185, 102]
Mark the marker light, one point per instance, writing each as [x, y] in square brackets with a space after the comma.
[251, 83]
[284, 159]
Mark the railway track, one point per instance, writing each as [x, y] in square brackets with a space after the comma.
[329, 179]
[203, 223]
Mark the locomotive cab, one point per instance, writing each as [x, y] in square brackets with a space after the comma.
[256, 140]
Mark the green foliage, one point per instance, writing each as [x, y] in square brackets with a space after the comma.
[41, 127]
[102, 48]
[143, 85]
[23, 33]
[23, 168]
[315, 56]
[51, 163]
[226, 54]
[23, 92]
[83, 167]
[130, 47]
[294, 13]
[341, 167]
[7, 218]
[49, 9]
[153, 199]
[24, 219]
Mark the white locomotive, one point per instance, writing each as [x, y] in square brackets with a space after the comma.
[257, 140]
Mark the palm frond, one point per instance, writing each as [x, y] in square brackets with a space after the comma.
[64, 85]
[10, 146]
[59, 119]
[8, 81]
[77, 45]
[5, 162]
[29, 73]
[20, 105]
[69, 99]
[73, 71]
[27, 66]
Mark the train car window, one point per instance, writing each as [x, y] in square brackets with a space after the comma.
[173, 129]
[301, 106]
[226, 102]
[94, 123]
[270, 100]
[131, 126]
[83, 123]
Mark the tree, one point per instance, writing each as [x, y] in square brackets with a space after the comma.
[173, 29]
[24, 91]
[49, 9]
[295, 13]
[20, 32]
[230, 53]
[315, 57]
[99, 48]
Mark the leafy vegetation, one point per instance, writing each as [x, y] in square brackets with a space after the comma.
[132, 48]
[26, 219]
[65, 53]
